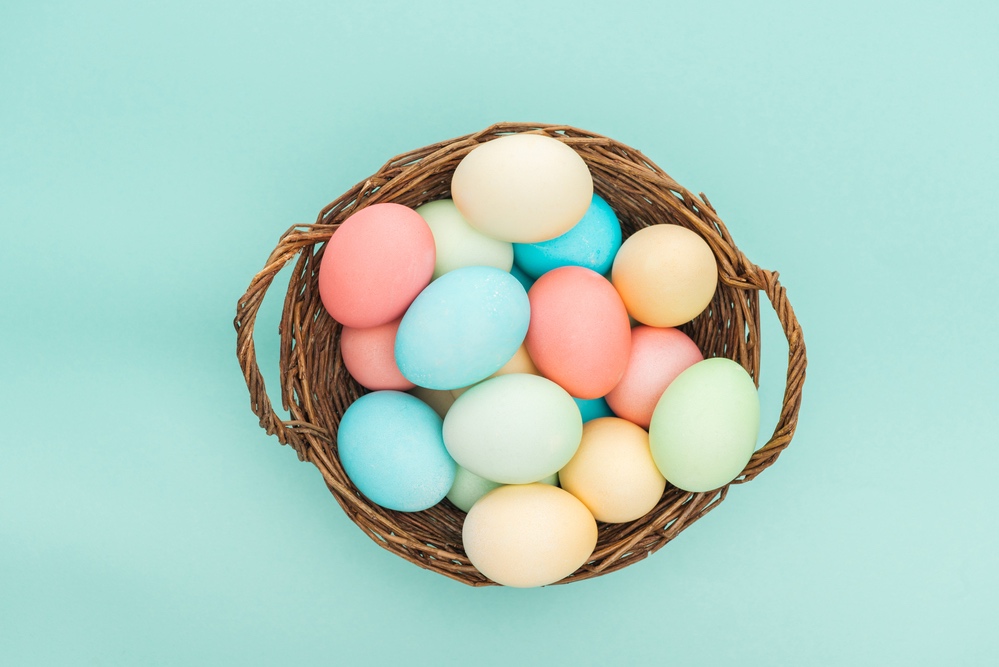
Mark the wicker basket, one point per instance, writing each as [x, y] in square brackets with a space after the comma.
[316, 388]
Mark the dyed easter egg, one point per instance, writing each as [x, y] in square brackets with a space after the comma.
[593, 408]
[469, 487]
[375, 264]
[513, 429]
[391, 447]
[522, 188]
[612, 472]
[666, 275]
[658, 355]
[369, 355]
[524, 279]
[458, 244]
[528, 535]
[704, 427]
[592, 243]
[579, 334]
[462, 328]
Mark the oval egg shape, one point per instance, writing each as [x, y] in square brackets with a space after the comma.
[369, 355]
[462, 328]
[579, 335]
[522, 188]
[704, 427]
[391, 447]
[375, 264]
[458, 244]
[513, 429]
[528, 535]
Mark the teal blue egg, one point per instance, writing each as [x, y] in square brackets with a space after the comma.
[593, 408]
[524, 279]
[592, 243]
[391, 446]
[462, 328]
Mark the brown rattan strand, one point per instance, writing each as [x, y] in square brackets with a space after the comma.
[316, 388]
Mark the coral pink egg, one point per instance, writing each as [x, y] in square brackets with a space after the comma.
[579, 335]
[375, 264]
[369, 355]
[657, 357]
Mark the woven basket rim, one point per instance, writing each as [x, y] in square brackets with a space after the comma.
[310, 353]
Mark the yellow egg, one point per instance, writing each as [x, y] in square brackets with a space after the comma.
[666, 275]
[528, 535]
[613, 472]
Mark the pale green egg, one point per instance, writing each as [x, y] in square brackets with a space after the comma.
[469, 487]
[704, 428]
[458, 244]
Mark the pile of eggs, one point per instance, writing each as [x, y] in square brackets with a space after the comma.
[525, 363]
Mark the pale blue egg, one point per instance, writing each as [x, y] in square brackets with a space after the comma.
[392, 448]
[593, 408]
[592, 242]
[462, 328]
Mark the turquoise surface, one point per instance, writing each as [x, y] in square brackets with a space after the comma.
[593, 408]
[152, 154]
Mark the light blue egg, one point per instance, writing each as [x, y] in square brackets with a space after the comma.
[592, 242]
[593, 408]
[392, 448]
[462, 328]
[524, 279]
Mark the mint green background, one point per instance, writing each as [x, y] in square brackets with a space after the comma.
[151, 156]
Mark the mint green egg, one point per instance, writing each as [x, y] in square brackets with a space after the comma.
[458, 244]
[469, 487]
[705, 425]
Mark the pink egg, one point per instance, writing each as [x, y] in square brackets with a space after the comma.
[579, 335]
[369, 355]
[375, 264]
[658, 355]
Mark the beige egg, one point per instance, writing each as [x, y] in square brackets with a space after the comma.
[666, 275]
[613, 472]
[523, 188]
[440, 400]
[528, 535]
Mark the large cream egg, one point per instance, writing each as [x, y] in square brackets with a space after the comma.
[528, 535]
[523, 188]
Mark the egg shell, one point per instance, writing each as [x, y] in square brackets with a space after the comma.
[522, 188]
[658, 355]
[458, 244]
[524, 279]
[369, 355]
[375, 264]
[513, 429]
[704, 427]
[440, 400]
[528, 535]
[469, 487]
[462, 328]
[612, 472]
[592, 243]
[593, 408]
[520, 362]
[579, 334]
[666, 275]
[391, 447]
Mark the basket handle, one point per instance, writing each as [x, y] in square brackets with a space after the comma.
[768, 282]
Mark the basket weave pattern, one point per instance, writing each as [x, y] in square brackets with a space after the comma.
[316, 388]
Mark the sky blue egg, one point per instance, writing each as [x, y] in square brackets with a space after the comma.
[462, 328]
[592, 243]
[593, 408]
[392, 448]
[524, 279]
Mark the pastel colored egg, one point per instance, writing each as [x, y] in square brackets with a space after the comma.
[704, 428]
[658, 355]
[522, 188]
[524, 279]
[666, 275]
[369, 355]
[591, 243]
[391, 447]
[612, 472]
[458, 244]
[462, 328]
[469, 487]
[513, 429]
[440, 400]
[375, 264]
[579, 334]
[528, 535]
[593, 408]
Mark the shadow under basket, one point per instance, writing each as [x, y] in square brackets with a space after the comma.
[316, 388]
